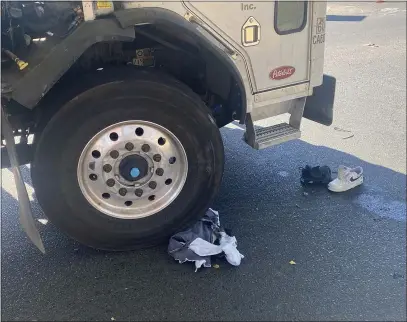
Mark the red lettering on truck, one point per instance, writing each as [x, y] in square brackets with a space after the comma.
[281, 72]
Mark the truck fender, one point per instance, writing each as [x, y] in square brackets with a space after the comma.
[119, 27]
[40, 79]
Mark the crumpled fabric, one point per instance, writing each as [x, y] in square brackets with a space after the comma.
[227, 245]
[197, 244]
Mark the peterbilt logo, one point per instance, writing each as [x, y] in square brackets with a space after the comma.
[282, 72]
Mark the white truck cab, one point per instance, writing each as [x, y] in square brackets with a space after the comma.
[125, 99]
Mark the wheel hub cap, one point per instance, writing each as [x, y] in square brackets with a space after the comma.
[133, 167]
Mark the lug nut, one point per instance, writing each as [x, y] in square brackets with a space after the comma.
[157, 157]
[152, 184]
[122, 191]
[110, 182]
[138, 192]
[145, 147]
[129, 146]
[114, 154]
[159, 172]
[107, 168]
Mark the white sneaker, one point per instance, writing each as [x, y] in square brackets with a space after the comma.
[348, 178]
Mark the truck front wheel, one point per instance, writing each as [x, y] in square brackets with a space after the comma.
[129, 162]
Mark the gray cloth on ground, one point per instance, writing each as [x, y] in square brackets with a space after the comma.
[207, 228]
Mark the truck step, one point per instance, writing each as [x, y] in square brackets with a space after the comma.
[272, 135]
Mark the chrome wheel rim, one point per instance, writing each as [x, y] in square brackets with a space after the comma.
[132, 169]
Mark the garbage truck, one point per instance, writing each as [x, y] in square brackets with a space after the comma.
[117, 105]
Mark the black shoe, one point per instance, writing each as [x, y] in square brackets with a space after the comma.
[316, 175]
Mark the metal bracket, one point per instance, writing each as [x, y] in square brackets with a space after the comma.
[250, 133]
[26, 217]
[296, 112]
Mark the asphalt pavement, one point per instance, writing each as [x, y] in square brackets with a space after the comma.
[349, 248]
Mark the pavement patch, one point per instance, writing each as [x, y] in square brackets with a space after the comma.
[383, 207]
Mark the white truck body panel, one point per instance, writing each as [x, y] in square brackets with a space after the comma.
[272, 51]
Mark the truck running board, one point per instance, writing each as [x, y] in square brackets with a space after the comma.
[272, 135]
[263, 137]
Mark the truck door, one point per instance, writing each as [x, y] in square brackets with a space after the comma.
[273, 38]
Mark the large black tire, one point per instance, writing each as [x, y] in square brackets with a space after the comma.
[119, 97]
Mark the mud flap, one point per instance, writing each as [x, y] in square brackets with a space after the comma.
[26, 217]
[319, 106]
